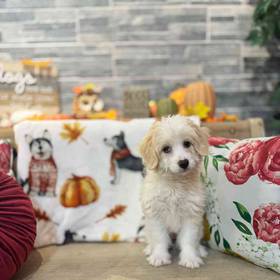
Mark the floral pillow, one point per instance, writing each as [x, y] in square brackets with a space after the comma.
[243, 212]
[6, 157]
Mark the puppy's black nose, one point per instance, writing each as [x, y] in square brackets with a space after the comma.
[183, 163]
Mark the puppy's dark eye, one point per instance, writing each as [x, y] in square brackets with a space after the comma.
[166, 149]
[186, 144]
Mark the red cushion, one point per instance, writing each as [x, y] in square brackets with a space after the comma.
[5, 156]
[17, 226]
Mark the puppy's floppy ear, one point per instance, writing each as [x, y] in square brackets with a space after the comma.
[203, 146]
[147, 149]
[200, 140]
[28, 138]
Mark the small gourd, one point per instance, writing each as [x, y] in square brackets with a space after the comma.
[166, 106]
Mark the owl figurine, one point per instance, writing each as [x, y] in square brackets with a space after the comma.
[87, 100]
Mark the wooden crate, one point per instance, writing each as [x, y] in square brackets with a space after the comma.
[250, 128]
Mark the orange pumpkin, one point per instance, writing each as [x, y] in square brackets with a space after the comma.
[78, 191]
[201, 92]
[178, 95]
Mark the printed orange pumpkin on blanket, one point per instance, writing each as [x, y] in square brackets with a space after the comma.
[78, 191]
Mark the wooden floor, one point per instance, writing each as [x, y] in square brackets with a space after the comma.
[125, 261]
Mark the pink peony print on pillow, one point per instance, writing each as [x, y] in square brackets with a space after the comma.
[244, 161]
[217, 141]
[270, 170]
[266, 223]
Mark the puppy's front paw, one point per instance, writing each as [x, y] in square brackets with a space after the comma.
[203, 251]
[147, 251]
[158, 259]
[190, 261]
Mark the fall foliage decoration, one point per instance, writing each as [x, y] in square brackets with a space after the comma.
[111, 114]
[72, 132]
[200, 110]
[223, 117]
[201, 92]
[110, 238]
[35, 63]
[178, 96]
[79, 190]
[114, 213]
[87, 87]
[41, 67]
[45, 117]
[153, 108]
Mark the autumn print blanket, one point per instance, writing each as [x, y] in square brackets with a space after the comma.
[83, 178]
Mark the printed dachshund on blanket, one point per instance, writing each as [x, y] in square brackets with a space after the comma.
[121, 157]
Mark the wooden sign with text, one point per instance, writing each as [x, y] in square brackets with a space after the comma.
[28, 86]
[135, 103]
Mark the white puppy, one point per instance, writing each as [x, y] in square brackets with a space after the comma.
[173, 197]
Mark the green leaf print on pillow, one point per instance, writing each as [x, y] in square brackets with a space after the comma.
[215, 163]
[242, 227]
[217, 237]
[221, 158]
[244, 213]
[223, 147]
[226, 245]
[206, 160]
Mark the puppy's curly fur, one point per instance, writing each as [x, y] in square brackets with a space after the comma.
[173, 198]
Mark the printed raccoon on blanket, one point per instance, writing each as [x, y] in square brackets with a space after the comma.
[121, 157]
[42, 174]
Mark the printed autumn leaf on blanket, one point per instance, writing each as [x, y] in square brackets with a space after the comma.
[72, 132]
[46, 229]
[40, 214]
[110, 238]
[114, 213]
